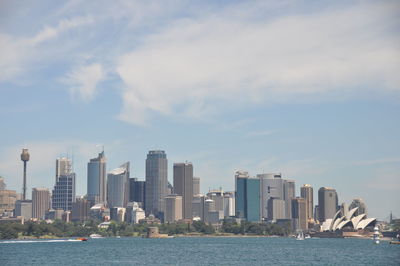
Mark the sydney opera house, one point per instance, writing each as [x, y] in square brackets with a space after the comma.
[347, 220]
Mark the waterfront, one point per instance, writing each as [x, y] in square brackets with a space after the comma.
[200, 251]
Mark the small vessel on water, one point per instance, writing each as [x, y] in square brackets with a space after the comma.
[82, 239]
[300, 236]
[96, 236]
[376, 235]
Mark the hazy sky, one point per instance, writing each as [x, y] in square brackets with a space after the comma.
[310, 89]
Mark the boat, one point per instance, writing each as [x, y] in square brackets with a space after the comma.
[82, 239]
[394, 242]
[300, 236]
[96, 236]
[307, 237]
[376, 235]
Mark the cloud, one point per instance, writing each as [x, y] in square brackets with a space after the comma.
[17, 53]
[225, 58]
[83, 80]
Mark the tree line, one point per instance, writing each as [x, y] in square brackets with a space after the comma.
[84, 229]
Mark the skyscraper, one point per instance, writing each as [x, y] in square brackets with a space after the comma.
[137, 191]
[118, 186]
[299, 214]
[7, 199]
[247, 197]
[23, 208]
[240, 196]
[64, 192]
[272, 186]
[289, 194]
[307, 193]
[80, 210]
[96, 180]
[40, 202]
[156, 182]
[183, 186]
[63, 166]
[196, 185]
[173, 209]
[327, 203]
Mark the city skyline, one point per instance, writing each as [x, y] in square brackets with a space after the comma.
[309, 90]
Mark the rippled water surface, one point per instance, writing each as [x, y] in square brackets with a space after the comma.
[200, 251]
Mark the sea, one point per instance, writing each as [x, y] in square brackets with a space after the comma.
[199, 251]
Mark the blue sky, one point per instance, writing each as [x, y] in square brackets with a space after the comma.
[310, 89]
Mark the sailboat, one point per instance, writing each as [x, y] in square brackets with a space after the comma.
[300, 236]
[376, 235]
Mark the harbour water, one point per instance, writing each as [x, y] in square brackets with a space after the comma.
[200, 251]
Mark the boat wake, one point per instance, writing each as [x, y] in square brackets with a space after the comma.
[39, 241]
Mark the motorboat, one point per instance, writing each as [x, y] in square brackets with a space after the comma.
[96, 236]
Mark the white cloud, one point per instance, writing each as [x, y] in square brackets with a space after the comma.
[17, 53]
[83, 80]
[226, 58]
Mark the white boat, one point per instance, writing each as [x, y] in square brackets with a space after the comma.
[96, 236]
[300, 236]
[307, 237]
[376, 235]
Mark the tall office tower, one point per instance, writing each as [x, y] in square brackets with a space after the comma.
[183, 186]
[208, 208]
[137, 191]
[299, 214]
[276, 209]
[25, 158]
[362, 207]
[80, 210]
[64, 192]
[289, 193]
[96, 180]
[229, 204]
[156, 183]
[40, 202]
[23, 208]
[217, 195]
[307, 193]
[196, 185]
[7, 199]
[272, 186]
[63, 166]
[118, 186]
[247, 197]
[173, 208]
[198, 205]
[327, 203]
[240, 196]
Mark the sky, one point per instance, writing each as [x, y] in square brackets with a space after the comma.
[309, 89]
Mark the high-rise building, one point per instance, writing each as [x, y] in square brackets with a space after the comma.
[276, 209]
[299, 214]
[240, 196]
[307, 193]
[64, 192]
[272, 186]
[229, 204]
[289, 194]
[156, 182]
[23, 208]
[63, 166]
[7, 199]
[196, 185]
[183, 186]
[40, 202]
[118, 186]
[137, 191]
[360, 204]
[96, 180]
[253, 200]
[173, 208]
[247, 197]
[80, 210]
[327, 203]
